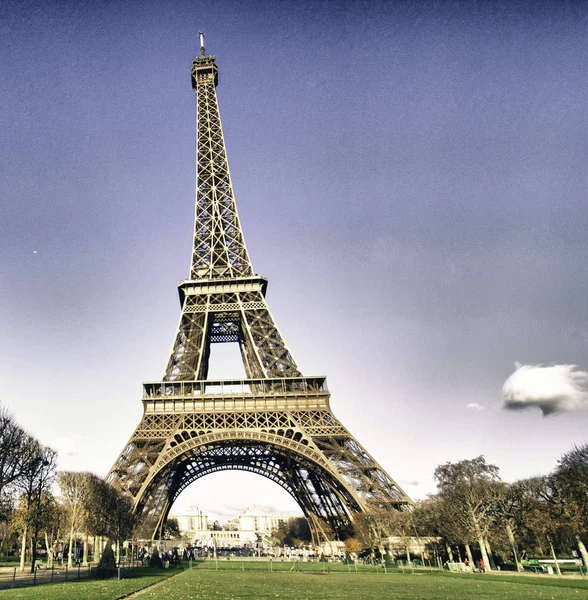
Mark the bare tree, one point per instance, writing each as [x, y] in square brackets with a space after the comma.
[52, 525]
[107, 513]
[570, 487]
[434, 519]
[371, 527]
[469, 486]
[74, 488]
[546, 517]
[401, 524]
[17, 450]
[35, 480]
[509, 510]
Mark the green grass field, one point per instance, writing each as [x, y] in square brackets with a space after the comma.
[203, 582]
[199, 584]
[85, 589]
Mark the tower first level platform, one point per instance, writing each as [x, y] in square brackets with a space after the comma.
[281, 428]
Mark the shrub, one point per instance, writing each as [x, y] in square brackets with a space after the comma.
[107, 560]
[107, 564]
[155, 561]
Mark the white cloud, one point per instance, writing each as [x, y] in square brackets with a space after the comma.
[475, 406]
[553, 389]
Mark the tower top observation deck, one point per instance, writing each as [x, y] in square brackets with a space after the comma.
[203, 67]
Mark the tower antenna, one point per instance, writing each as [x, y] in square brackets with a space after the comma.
[202, 48]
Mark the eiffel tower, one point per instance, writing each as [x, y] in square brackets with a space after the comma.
[277, 422]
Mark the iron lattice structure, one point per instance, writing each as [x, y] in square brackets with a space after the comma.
[276, 423]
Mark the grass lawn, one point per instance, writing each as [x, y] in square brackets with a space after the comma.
[256, 582]
[88, 589]
[200, 584]
[9, 561]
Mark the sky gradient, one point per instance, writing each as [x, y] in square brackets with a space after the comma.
[411, 177]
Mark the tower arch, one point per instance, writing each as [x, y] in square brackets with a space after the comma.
[320, 492]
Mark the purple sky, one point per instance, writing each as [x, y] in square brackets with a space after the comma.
[411, 177]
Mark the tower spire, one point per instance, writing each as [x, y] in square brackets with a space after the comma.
[202, 48]
[219, 247]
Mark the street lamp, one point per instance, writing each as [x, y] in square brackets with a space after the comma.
[42, 463]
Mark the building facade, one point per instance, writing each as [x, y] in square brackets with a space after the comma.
[252, 529]
[192, 523]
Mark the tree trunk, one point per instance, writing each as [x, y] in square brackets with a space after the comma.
[71, 539]
[481, 543]
[420, 545]
[117, 551]
[513, 545]
[98, 549]
[540, 550]
[382, 551]
[554, 557]
[582, 549]
[469, 553]
[484, 552]
[449, 552]
[49, 552]
[490, 555]
[23, 549]
[407, 554]
[85, 559]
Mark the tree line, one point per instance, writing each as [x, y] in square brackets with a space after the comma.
[34, 518]
[476, 515]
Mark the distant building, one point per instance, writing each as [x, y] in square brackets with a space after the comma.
[232, 525]
[251, 529]
[334, 549]
[193, 522]
[257, 521]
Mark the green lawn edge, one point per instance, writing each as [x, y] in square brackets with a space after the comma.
[574, 582]
[100, 589]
